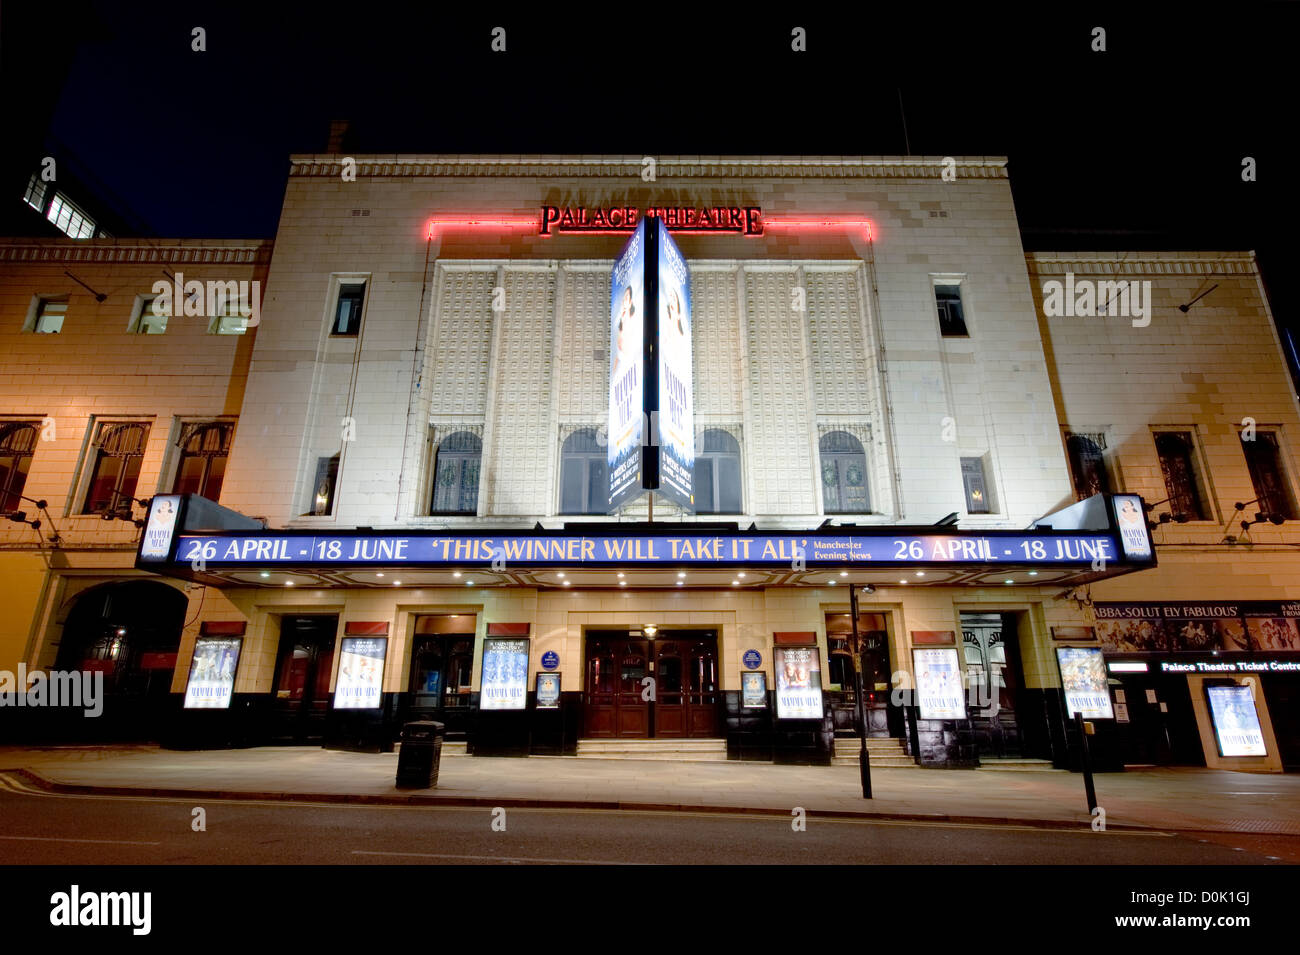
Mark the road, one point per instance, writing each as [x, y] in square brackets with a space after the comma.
[42, 828]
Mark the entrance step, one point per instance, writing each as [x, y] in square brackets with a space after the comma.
[685, 750]
[1016, 764]
[884, 752]
[460, 748]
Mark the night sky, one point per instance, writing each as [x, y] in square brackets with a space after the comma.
[1139, 147]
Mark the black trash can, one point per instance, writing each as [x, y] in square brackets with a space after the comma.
[420, 754]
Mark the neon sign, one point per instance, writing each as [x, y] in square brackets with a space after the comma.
[736, 220]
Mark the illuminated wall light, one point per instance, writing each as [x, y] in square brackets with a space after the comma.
[288, 583]
[741, 575]
[824, 224]
[920, 573]
[1033, 573]
[620, 575]
[681, 573]
[844, 573]
[397, 583]
[568, 583]
[681, 584]
[1008, 581]
[622, 583]
[903, 581]
[456, 573]
[832, 581]
[560, 575]
[469, 583]
[266, 573]
[445, 224]
[380, 574]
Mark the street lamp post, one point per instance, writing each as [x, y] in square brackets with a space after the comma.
[864, 761]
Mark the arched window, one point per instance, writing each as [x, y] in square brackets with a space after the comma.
[202, 468]
[717, 474]
[455, 474]
[584, 474]
[17, 443]
[119, 452]
[844, 474]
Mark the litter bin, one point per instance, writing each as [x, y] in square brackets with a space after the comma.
[420, 754]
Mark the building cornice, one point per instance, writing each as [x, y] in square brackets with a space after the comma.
[666, 167]
[1142, 263]
[138, 251]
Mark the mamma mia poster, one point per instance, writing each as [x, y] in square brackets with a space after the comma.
[938, 683]
[1236, 721]
[798, 683]
[505, 674]
[625, 432]
[676, 408]
[361, 673]
[1083, 680]
[212, 673]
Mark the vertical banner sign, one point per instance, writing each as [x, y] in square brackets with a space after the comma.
[938, 683]
[159, 527]
[361, 673]
[798, 683]
[625, 434]
[1131, 519]
[674, 422]
[1083, 680]
[505, 674]
[1236, 721]
[211, 682]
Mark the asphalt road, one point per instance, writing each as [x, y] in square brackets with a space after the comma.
[40, 828]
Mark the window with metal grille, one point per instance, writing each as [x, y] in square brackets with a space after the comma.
[844, 474]
[17, 445]
[70, 218]
[1268, 475]
[584, 474]
[119, 452]
[1183, 483]
[205, 449]
[455, 474]
[347, 313]
[717, 473]
[952, 320]
[1087, 464]
[972, 479]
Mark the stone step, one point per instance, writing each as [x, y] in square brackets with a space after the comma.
[692, 750]
[1015, 764]
[885, 746]
[877, 762]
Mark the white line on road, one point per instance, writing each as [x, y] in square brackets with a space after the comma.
[96, 842]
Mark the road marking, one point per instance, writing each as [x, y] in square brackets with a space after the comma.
[97, 842]
[447, 855]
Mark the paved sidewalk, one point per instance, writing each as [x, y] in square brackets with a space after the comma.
[1181, 799]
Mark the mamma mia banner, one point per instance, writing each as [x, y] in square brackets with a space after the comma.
[673, 548]
[1225, 626]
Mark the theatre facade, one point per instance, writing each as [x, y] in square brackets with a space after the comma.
[433, 501]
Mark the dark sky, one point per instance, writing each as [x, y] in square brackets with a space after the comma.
[1137, 147]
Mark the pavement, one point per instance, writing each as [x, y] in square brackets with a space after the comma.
[1190, 800]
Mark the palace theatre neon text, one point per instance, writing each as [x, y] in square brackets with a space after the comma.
[738, 220]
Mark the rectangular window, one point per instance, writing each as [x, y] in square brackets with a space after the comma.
[1268, 475]
[229, 322]
[952, 320]
[69, 217]
[146, 321]
[17, 445]
[323, 490]
[1183, 481]
[50, 313]
[347, 313]
[118, 451]
[972, 477]
[35, 194]
[204, 451]
[1087, 464]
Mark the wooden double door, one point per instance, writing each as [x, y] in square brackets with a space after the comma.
[302, 684]
[637, 688]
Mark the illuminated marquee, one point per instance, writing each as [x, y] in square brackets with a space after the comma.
[736, 220]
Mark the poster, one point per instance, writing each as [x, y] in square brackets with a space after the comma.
[753, 690]
[1273, 633]
[160, 526]
[798, 683]
[211, 683]
[361, 673]
[675, 420]
[625, 426]
[1236, 721]
[1132, 521]
[548, 691]
[505, 674]
[1083, 680]
[938, 684]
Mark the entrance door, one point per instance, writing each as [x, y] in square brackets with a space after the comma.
[992, 656]
[686, 685]
[302, 681]
[682, 700]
